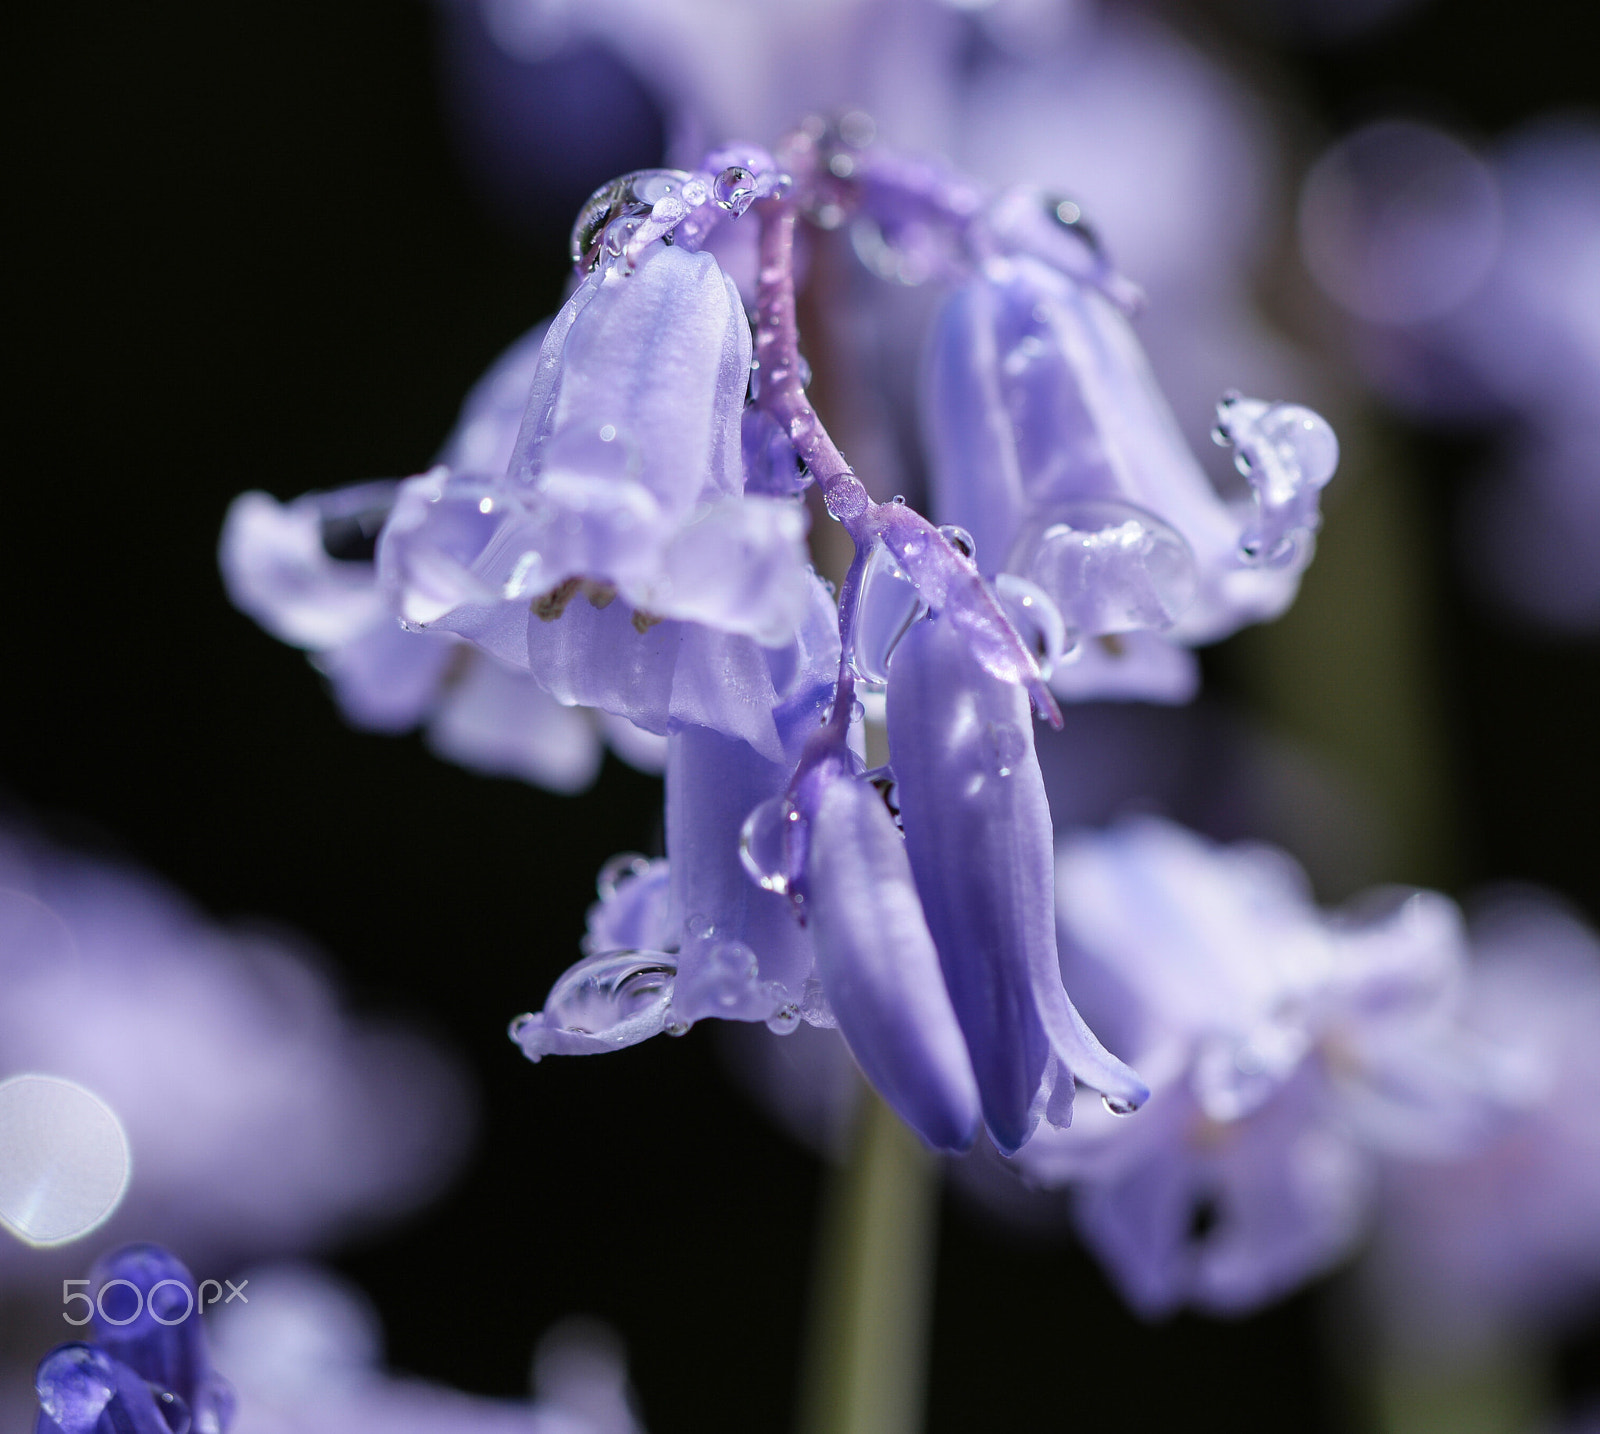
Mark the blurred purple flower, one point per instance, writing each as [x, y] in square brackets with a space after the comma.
[1473, 283]
[1507, 1240]
[260, 1116]
[1284, 1050]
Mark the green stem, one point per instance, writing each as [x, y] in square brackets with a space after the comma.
[866, 1356]
[1497, 1391]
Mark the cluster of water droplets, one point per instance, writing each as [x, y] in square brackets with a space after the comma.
[618, 213]
[1288, 453]
[1105, 566]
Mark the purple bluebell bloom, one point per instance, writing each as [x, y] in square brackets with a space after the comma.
[978, 835]
[1052, 445]
[1473, 290]
[147, 1369]
[1285, 1051]
[1504, 1239]
[305, 571]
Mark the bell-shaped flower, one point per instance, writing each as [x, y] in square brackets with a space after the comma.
[978, 836]
[305, 571]
[1051, 443]
[627, 473]
[1285, 1050]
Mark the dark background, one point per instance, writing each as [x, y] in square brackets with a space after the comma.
[243, 254]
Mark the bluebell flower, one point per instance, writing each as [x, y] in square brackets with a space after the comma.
[1285, 1051]
[1472, 290]
[146, 1369]
[306, 572]
[1502, 1240]
[1052, 445]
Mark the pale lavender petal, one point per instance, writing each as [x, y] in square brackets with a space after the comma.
[502, 723]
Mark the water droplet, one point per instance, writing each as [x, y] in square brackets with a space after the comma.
[675, 1026]
[173, 1411]
[1288, 452]
[899, 499]
[66, 1161]
[764, 843]
[519, 1024]
[669, 210]
[1107, 566]
[608, 432]
[1068, 214]
[959, 539]
[617, 870]
[75, 1384]
[785, 1020]
[1004, 746]
[603, 991]
[886, 607]
[612, 213]
[1117, 1106]
[695, 192]
[734, 189]
[699, 927]
[1036, 619]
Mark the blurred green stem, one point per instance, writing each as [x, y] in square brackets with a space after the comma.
[1499, 1391]
[866, 1357]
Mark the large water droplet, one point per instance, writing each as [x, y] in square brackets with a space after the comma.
[1288, 452]
[764, 843]
[603, 991]
[734, 189]
[64, 1159]
[74, 1384]
[785, 1020]
[887, 606]
[1036, 619]
[597, 230]
[1107, 566]
[1117, 1106]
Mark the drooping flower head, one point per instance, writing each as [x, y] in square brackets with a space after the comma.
[639, 550]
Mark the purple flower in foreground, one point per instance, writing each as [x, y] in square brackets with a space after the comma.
[1507, 1239]
[146, 1369]
[260, 1116]
[640, 552]
[1284, 1050]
